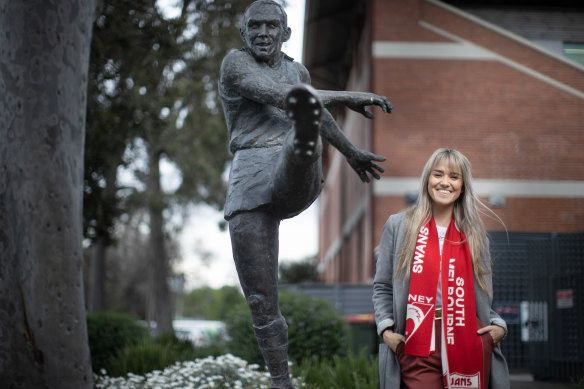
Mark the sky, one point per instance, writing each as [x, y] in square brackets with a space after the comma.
[201, 234]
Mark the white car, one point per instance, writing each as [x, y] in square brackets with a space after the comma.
[200, 332]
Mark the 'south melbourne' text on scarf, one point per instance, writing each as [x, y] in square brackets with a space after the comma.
[462, 349]
[462, 359]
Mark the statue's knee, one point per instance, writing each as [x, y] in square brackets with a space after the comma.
[273, 332]
[258, 304]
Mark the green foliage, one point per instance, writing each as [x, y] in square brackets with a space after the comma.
[152, 95]
[152, 99]
[318, 329]
[298, 272]
[110, 332]
[243, 343]
[315, 328]
[578, 383]
[120, 345]
[156, 354]
[350, 372]
[212, 304]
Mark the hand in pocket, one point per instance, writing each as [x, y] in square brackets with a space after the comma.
[392, 339]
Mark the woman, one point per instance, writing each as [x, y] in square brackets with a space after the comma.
[432, 291]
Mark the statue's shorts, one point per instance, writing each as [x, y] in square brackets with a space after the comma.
[274, 180]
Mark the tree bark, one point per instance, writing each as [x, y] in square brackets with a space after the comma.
[97, 297]
[44, 56]
[160, 307]
[97, 278]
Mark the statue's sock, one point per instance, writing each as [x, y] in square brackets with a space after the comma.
[273, 343]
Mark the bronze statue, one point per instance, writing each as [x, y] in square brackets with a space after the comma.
[275, 122]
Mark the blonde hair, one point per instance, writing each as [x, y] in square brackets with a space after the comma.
[467, 211]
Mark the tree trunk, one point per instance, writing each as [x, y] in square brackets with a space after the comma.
[44, 57]
[102, 241]
[160, 308]
[97, 280]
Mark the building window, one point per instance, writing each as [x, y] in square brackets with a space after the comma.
[574, 51]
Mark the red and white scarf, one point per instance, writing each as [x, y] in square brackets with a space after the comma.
[462, 351]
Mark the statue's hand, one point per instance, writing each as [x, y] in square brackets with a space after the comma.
[361, 100]
[362, 163]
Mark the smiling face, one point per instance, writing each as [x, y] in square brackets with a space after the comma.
[445, 184]
[264, 31]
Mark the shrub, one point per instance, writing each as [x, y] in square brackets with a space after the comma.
[225, 371]
[350, 372]
[156, 354]
[578, 382]
[315, 328]
[299, 272]
[110, 332]
[242, 339]
[212, 304]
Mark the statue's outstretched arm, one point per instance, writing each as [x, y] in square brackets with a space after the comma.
[357, 101]
[363, 162]
[241, 73]
[241, 76]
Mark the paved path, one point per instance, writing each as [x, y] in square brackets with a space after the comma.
[526, 381]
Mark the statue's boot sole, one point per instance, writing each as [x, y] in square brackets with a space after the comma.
[304, 108]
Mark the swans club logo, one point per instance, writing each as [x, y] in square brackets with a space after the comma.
[417, 312]
[463, 381]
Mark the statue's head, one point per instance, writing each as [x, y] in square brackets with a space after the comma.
[264, 29]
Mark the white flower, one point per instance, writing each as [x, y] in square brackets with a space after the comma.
[225, 371]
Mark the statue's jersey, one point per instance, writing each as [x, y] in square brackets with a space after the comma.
[255, 125]
[257, 134]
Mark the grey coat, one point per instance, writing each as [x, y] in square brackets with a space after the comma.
[390, 295]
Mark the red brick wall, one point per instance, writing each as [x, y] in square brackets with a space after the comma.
[344, 191]
[398, 20]
[502, 45]
[509, 124]
[383, 208]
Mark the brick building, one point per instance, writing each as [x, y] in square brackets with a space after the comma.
[498, 80]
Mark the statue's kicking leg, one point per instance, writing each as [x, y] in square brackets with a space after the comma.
[297, 175]
[254, 239]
